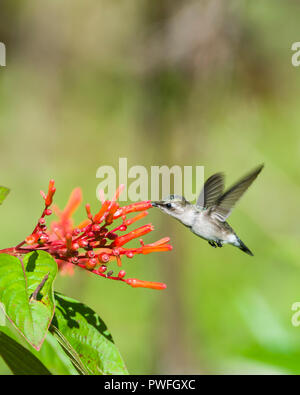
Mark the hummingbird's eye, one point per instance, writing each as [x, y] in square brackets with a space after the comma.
[168, 205]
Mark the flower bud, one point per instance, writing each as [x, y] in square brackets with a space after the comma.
[90, 254]
[76, 232]
[32, 239]
[83, 243]
[122, 274]
[42, 221]
[96, 228]
[102, 269]
[75, 246]
[104, 258]
[43, 238]
[116, 251]
[91, 263]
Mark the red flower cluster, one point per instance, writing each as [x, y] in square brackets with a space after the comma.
[92, 245]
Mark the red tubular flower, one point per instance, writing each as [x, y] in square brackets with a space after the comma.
[88, 211]
[51, 192]
[91, 245]
[136, 218]
[118, 192]
[110, 216]
[73, 204]
[132, 208]
[148, 250]
[98, 217]
[143, 230]
[135, 283]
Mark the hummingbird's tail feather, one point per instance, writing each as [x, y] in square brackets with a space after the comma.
[244, 248]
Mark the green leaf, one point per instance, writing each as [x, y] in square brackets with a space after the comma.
[19, 359]
[3, 193]
[26, 293]
[88, 335]
[54, 358]
[51, 355]
[69, 350]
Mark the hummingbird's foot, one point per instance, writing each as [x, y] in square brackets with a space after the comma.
[212, 243]
[219, 243]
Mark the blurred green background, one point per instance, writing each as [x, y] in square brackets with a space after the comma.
[189, 83]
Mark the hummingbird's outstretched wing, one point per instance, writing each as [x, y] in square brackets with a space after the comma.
[211, 191]
[225, 203]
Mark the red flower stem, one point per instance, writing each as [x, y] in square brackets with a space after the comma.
[101, 274]
[21, 244]
[19, 250]
[114, 230]
[10, 251]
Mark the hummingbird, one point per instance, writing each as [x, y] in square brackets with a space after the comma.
[207, 218]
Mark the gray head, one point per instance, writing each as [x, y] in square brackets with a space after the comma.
[176, 206]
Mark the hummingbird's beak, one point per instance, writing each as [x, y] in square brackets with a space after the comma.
[156, 204]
